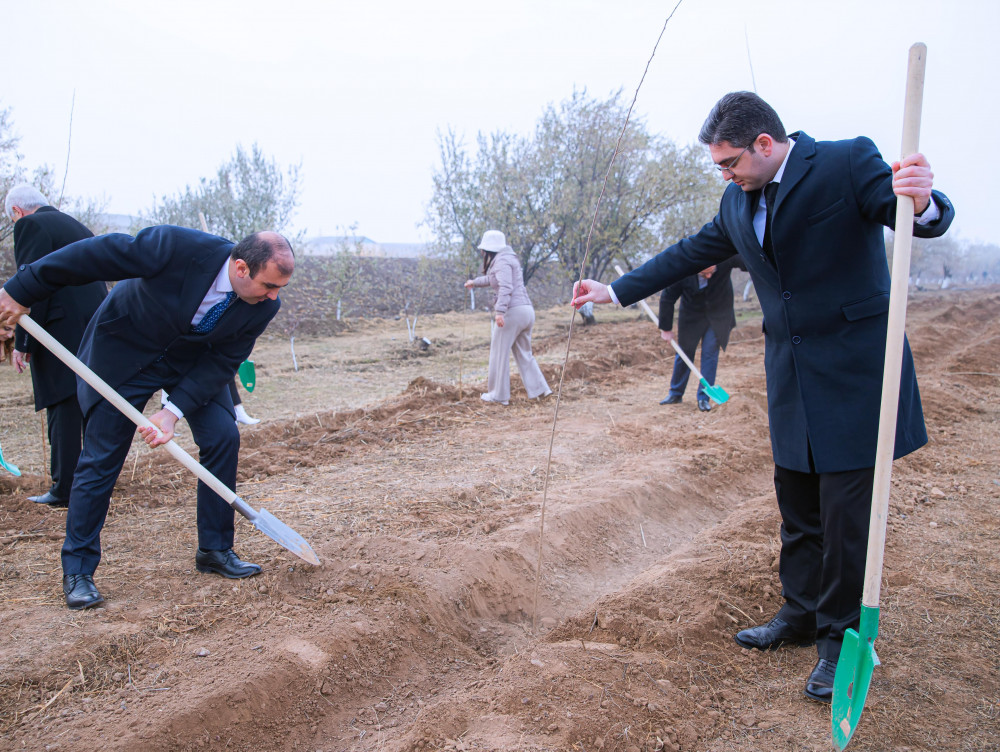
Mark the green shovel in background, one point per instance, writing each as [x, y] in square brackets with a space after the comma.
[715, 392]
[10, 467]
[247, 374]
[857, 656]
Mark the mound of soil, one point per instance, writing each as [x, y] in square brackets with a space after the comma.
[426, 627]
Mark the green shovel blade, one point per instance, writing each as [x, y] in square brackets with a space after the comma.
[248, 375]
[854, 675]
[715, 392]
[10, 467]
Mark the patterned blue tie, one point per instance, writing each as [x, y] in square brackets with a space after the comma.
[213, 315]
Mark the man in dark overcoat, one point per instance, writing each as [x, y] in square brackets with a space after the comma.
[807, 218]
[40, 229]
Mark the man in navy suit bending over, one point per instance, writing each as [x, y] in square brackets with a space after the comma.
[807, 218]
[185, 315]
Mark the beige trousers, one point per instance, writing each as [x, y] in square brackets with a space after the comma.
[514, 336]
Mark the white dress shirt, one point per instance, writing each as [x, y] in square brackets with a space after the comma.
[216, 294]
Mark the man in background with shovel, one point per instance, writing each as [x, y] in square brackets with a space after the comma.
[807, 219]
[706, 315]
[187, 313]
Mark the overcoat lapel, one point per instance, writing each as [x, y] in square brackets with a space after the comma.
[200, 274]
[749, 203]
[799, 164]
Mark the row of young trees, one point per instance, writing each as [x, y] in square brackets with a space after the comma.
[542, 190]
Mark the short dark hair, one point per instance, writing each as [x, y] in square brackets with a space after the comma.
[738, 118]
[257, 249]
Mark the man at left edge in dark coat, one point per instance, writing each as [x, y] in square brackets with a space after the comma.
[40, 229]
[186, 311]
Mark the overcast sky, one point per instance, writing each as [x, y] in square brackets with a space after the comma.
[358, 91]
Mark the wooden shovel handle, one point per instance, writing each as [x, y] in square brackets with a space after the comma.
[894, 336]
[656, 320]
[105, 390]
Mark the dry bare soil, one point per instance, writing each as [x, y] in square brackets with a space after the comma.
[424, 505]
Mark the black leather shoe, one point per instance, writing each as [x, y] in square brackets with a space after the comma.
[704, 405]
[773, 635]
[48, 498]
[819, 686]
[671, 399]
[80, 591]
[226, 563]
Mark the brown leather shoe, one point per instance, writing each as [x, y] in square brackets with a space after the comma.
[773, 635]
[819, 686]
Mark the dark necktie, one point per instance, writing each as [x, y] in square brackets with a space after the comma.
[213, 314]
[770, 194]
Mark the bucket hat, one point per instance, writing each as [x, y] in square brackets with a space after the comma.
[493, 241]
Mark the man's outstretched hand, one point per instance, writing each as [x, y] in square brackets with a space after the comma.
[588, 291]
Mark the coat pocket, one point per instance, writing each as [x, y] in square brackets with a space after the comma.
[836, 207]
[862, 309]
[116, 325]
[55, 313]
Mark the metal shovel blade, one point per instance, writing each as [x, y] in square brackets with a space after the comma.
[717, 393]
[854, 674]
[284, 536]
[10, 467]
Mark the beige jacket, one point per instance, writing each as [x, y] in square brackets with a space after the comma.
[507, 281]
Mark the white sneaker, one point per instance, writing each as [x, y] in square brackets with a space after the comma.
[242, 417]
[487, 398]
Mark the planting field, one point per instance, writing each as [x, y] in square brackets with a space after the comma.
[420, 629]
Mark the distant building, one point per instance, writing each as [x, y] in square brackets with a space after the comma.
[331, 245]
[321, 245]
[105, 223]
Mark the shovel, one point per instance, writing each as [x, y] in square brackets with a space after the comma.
[10, 467]
[247, 374]
[717, 393]
[263, 520]
[857, 656]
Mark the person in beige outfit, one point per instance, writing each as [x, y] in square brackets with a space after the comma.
[514, 317]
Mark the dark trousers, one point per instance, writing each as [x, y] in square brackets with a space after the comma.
[65, 429]
[106, 444]
[824, 544]
[709, 366]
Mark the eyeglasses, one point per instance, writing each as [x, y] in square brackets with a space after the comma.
[732, 162]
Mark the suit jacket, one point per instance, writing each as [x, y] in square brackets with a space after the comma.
[701, 307]
[146, 318]
[65, 314]
[825, 300]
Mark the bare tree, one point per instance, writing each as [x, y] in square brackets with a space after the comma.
[249, 193]
[13, 172]
[542, 191]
